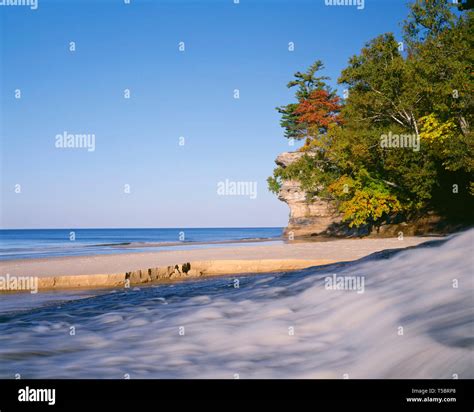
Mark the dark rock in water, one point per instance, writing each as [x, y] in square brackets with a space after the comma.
[186, 267]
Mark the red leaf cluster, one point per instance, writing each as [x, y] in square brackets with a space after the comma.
[319, 109]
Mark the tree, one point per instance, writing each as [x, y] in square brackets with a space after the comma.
[380, 84]
[427, 20]
[306, 84]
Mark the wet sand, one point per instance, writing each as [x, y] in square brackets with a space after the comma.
[118, 270]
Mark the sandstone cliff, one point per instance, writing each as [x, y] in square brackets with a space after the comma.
[307, 217]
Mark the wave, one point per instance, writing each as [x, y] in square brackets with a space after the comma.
[185, 243]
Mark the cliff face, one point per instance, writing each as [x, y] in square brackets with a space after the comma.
[307, 218]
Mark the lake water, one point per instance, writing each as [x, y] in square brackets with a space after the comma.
[40, 243]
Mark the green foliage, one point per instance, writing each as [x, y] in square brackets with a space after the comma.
[427, 20]
[308, 82]
[274, 183]
[289, 121]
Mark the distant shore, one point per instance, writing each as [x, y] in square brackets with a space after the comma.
[128, 269]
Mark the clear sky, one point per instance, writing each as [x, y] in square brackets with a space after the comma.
[174, 94]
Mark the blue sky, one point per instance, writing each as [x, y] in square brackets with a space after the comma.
[173, 94]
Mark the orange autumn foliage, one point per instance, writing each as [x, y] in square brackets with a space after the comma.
[319, 109]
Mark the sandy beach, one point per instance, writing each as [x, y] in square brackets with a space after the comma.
[98, 271]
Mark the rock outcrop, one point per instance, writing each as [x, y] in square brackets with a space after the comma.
[169, 274]
[320, 217]
[307, 217]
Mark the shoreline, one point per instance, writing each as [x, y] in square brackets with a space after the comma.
[135, 247]
[169, 274]
[131, 269]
